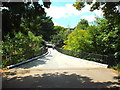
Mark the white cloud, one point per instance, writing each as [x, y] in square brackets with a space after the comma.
[56, 24]
[69, 10]
[98, 13]
[90, 18]
[58, 12]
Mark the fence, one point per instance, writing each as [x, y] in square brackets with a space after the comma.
[16, 58]
[105, 59]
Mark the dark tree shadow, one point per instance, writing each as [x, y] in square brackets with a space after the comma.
[56, 80]
[31, 64]
[34, 63]
[118, 78]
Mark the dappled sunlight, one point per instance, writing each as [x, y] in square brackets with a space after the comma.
[60, 45]
[55, 80]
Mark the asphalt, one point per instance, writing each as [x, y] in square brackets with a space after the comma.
[56, 60]
[57, 70]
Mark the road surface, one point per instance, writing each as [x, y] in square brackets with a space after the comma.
[57, 70]
[56, 60]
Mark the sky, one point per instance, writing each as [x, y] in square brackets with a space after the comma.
[65, 15]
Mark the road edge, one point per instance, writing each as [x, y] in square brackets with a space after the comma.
[29, 60]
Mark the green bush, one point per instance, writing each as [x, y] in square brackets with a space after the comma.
[20, 48]
[117, 67]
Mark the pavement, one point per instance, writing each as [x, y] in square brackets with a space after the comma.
[57, 70]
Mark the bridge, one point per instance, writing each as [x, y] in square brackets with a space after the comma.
[57, 70]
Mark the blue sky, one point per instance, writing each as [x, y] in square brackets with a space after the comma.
[64, 14]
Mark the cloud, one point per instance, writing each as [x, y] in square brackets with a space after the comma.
[59, 12]
[64, 15]
[90, 18]
[57, 24]
[98, 13]
[68, 10]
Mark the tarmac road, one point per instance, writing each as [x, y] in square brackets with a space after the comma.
[56, 60]
[57, 70]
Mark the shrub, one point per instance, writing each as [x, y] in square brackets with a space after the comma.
[20, 48]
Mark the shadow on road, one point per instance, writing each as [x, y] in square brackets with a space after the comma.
[34, 63]
[54, 80]
[37, 62]
[118, 78]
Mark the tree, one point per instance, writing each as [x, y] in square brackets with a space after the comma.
[47, 27]
[107, 38]
[60, 35]
[100, 38]
[109, 8]
[83, 24]
[58, 29]
[39, 26]
[21, 47]
[16, 10]
[78, 41]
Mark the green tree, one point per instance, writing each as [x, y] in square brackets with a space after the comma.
[106, 39]
[107, 35]
[101, 38]
[39, 26]
[58, 28]
[109, 8]
[16, 10]
[78, 40]
[83, 24]
[60, 35]
[20, 48]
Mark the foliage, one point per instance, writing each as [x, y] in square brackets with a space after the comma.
[25, 25]
[106, 36]
[17, 10]
[60, 35]
[57, 29]
[117, 67]
[78, 41]
[20, 48]
[111, 13]
[79, 5]
[39, 25]
[100, 39]
[83, 24]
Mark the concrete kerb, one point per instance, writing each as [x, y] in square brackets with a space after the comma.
[23, 62]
